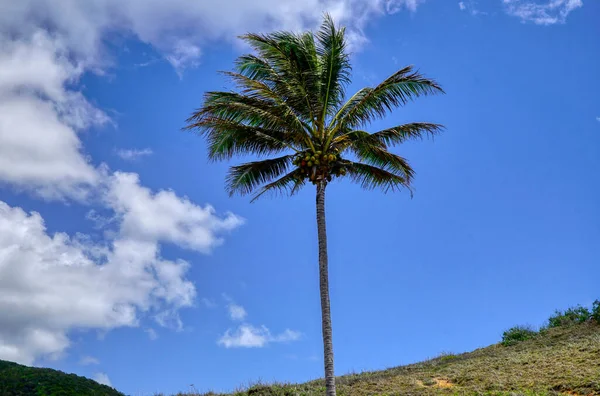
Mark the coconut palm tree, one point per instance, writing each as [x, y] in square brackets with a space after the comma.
[290, 110]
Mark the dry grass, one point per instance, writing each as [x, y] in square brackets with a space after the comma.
[562, 361]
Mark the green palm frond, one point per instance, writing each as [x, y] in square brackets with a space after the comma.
[293, 58]
[244, 179]
[369, 104]
[288, 184]
[290, 102]
[371, 177]
[383, 159]
[335, 66]
[226, 139]
[392, 136]
[262, 91]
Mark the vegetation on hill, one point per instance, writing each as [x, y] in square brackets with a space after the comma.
[562, 358]
[18, 380]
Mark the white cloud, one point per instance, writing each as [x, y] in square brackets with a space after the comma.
[163, 215]
[598, 119]
[133, 154]
[549, 12]
[236, 312]
[208, 303]
[248, 336]
[151, 334]
[102, 378]
[88, 360]
[52, 284]
[471, 7]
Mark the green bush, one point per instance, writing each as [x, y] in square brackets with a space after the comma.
[596, 311]
[517, 334]
[569, 317]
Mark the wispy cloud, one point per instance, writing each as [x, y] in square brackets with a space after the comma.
[548, 13]
[248, 336]
[470, 6]
[208, 302]
[102, 378]
[88, 361]
[133, 154]
[151, 334]
[598, 119]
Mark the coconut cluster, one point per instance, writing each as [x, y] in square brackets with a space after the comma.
[317, 166]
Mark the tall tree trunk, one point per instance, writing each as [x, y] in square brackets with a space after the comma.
[324, 286]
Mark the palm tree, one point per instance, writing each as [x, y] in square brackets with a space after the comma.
[290, 106]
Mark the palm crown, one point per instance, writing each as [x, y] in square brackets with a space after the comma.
[291, 107]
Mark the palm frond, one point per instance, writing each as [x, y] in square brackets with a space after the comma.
[293, 58]
[369, 104]
[392, 136]
[335, 66]
[245, 178]
[226, 139]
[290, 183]
[370, 177]
[381, 158]
[261, 90]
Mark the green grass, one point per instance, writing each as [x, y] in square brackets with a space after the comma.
[18, 380]
[558, 361]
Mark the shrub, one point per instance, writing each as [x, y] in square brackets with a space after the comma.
[569, 317]
[596, 311]
[517, 334]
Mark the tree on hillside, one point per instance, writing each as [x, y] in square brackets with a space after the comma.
[290, 109]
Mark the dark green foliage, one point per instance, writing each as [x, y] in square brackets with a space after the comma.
[290, 101]
[517, 334]
[596, 311]
[569, 317]
[18, 380]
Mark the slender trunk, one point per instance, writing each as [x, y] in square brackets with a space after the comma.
[324, 286]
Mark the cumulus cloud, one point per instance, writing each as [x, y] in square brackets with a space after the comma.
[102, 378]
[133, 154]
[248, 336]
[148, 216]
[51, 284]
[549, 12]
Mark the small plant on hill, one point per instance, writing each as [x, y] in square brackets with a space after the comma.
[569, 317]
[596, 311]
[517, 334]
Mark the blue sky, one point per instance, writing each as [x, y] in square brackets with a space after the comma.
[123, 259]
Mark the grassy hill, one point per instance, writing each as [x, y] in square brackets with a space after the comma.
[18, 380]
[563, 358]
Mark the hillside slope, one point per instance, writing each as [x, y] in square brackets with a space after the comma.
[563, 360]
[18, 380]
